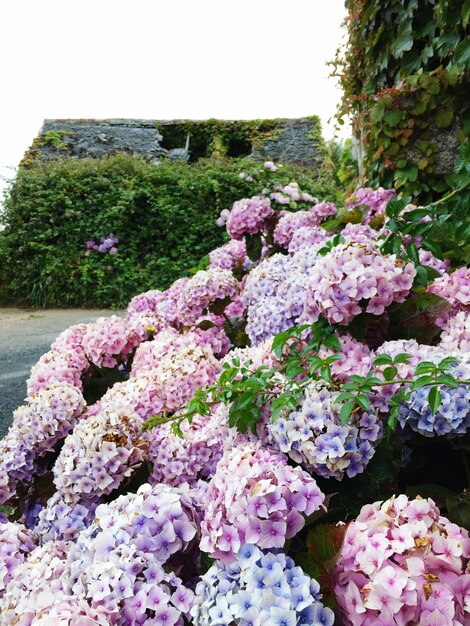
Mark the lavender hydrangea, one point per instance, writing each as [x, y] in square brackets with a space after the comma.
[63, 521]
[191, 456]
[260, 587]
[204, 289]
[37, 427]
[313, 436]
[307, 237]
[255, 497]
[16, 542]
[117, 562]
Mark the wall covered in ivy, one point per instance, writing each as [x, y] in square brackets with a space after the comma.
[404, 73]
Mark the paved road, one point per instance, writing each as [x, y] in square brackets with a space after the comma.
[24, 336]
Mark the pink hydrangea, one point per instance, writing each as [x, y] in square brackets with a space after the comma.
[322, 211]
[403, 563]
[58, 365]
[428, 259]
[204, 289]
[290, 223]
[455, 288]
[351, 274]
[108, 341]
[255, 497]
[248, 216]
[228, 256]
[356, 358]
[456, 332]
[359, 233]
[375, 201]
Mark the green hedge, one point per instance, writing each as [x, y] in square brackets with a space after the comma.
[164, 216]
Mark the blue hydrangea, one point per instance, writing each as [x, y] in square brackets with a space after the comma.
[313, 436]
[259, 588]
[452, 417]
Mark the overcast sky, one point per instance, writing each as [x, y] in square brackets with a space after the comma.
[163, 59]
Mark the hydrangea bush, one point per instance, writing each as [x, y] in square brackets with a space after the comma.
[196, 460]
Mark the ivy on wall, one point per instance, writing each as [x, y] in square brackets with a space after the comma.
[404, 75]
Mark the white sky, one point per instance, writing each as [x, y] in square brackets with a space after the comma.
[163, 59]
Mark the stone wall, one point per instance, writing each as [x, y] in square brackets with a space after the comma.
[286, 140]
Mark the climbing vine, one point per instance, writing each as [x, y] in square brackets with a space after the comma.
[403, 73]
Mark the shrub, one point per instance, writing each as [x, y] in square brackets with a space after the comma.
[163, 216]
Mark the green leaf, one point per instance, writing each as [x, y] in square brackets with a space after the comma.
[403, 357]
[443, 118]
[363, 401]
[393, 118]
[425, 367]
[345, 412]
[447, 380]
[390, 373]
[462, 53]
[383, 359]
[434, 399]
[279, 342]
[404, 39]
[412, 251]
[465, 13]
[422, 381]
[254, 247]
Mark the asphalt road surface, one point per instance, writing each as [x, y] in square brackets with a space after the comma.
[24, 336]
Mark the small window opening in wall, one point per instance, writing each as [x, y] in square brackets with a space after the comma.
[239, 148]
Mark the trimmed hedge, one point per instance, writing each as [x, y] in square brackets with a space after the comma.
[164, 216]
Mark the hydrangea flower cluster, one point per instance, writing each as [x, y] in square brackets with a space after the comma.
[291, 193]
[228, 256]
[356, 358]
[375, 200]
[206, 287]
[108, 341]
[102, 450]
[37, 585]
[106, 245]
[452, 416]
[359, 233]
[117, 562]
[322, 211]
[307, 237]
[313, 436]
[58, 365]
[192, 456]
[455, 288]
[248, 216]
[456, 332]
[403, 563]
[289, 224]
[352, 273]
[62, 521]
[16, 542]
[37, 427]
[260, 587]
[255, 497]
